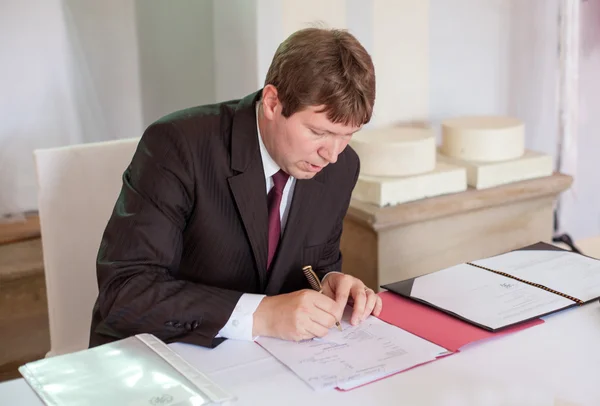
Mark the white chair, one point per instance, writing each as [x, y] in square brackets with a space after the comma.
[77, 189]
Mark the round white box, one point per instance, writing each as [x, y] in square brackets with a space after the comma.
[395, 151]
[483, 138]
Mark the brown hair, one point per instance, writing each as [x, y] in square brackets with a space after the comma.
[316, 66]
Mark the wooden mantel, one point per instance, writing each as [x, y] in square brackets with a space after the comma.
[386, 244]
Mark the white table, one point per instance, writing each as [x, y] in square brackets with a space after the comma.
[553, 364]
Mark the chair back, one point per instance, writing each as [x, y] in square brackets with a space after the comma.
[77, 189]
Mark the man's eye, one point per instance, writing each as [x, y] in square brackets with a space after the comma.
[317, 133]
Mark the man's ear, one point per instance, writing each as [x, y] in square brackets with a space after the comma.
[270, 101]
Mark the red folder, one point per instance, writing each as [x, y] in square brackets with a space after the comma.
[436, 326]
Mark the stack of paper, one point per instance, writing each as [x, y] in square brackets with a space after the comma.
[355, 356]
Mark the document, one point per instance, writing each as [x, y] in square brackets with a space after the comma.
[354, 356]
[484, 297]
[501, 291]
[566, 272]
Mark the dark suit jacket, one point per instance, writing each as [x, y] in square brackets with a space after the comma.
[188, 234]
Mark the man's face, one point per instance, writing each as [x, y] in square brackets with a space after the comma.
[304, 143]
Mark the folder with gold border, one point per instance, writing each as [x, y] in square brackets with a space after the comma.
[505, 290]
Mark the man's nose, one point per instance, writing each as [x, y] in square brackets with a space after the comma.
[331, 151]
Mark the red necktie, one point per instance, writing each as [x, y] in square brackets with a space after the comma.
[274, 201]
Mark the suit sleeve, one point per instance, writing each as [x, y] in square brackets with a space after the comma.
[141, 249]
[331, 259]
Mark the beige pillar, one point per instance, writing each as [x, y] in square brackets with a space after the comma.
[400, 52]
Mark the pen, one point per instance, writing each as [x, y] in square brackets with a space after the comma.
[316, 285]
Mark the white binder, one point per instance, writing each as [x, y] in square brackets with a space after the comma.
[139, 370]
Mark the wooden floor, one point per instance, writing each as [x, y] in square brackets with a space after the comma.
[24, 333]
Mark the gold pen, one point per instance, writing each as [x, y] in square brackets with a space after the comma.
[316, 285]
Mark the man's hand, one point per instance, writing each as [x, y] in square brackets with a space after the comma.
[348, 289]
[296, 316]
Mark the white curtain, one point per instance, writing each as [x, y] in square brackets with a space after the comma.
[76, 71]
[37, 100]
[68, 75]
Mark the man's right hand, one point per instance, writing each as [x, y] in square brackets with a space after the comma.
[296, 316]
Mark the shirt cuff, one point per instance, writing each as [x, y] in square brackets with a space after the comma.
[240, 323]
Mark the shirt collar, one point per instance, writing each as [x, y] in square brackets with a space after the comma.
[269, 165]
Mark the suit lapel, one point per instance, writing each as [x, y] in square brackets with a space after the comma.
[249, 191]
[248, 183]
[251, 200]
[306, 199]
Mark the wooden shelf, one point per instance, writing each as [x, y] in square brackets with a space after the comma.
[381, 245]
[19, 229]
[380, 218]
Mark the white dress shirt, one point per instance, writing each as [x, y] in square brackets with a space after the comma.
[240, 323]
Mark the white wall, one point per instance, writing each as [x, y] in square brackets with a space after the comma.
[235, 49]
[69, 75]
[78, 71]
[581, 206]
[103, 67]
[176, 47]
[534, 71]
[37, 104]
[496, 57]
[501, 57]
[401, 55]
[469, 55]
[82, 70]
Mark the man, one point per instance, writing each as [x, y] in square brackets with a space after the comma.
[222, 206]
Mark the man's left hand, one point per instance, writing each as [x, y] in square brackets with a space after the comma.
[347, 289]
